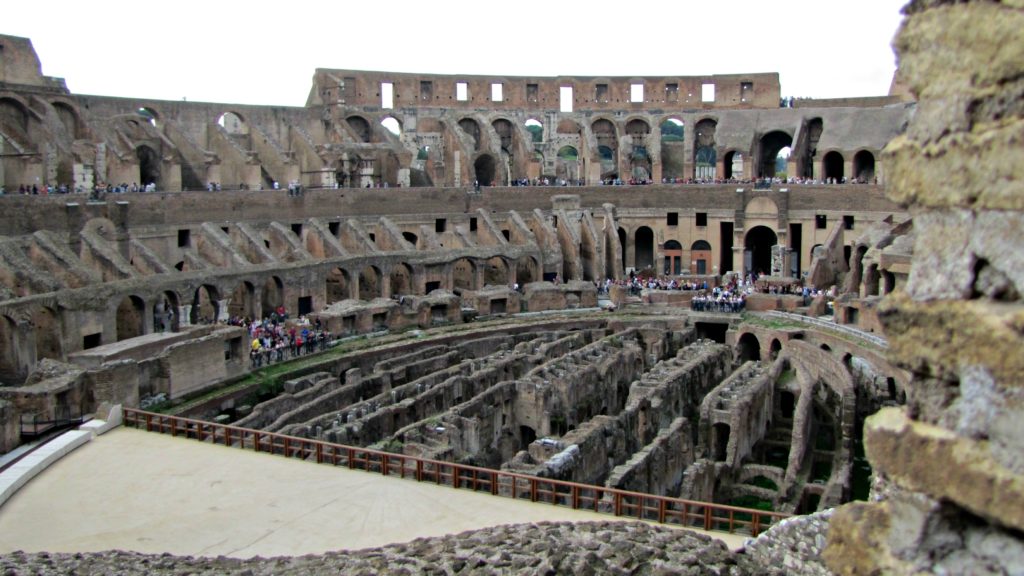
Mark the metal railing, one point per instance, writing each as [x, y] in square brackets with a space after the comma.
[842, 328]
[622, 503]
[35, 425]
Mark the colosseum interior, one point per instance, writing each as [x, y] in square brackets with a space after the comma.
[474, 314]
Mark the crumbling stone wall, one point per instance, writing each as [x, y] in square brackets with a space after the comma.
[955, 454]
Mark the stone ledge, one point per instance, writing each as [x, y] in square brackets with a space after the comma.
[28, 467]
[933, 460]
[941, 337]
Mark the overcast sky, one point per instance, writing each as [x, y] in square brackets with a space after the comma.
[263, 52]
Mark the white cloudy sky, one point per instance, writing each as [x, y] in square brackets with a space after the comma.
[265, 52]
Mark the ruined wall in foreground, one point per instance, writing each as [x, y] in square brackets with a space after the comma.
[950, 493]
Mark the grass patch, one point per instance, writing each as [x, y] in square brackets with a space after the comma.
[786, 377]
[763, 482]
[749, 502]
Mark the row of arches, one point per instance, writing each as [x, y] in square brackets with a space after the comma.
[138, 314]
[38, 332]
[758, 243]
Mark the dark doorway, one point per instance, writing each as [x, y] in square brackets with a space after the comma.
[758, 246]
[149, 165]
[834, 166]
[748, 349]
[771, 144]
[485, 172]
[712, 331]
[644, 250]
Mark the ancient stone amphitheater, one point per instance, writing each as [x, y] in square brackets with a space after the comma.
[470, 319]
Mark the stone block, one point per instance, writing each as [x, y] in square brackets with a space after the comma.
[943, 465]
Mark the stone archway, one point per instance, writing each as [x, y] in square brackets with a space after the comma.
[864, 167]
[165, 313]
[243, 301]
[149, 165]
[772, 144]
[272, 296]
[10, 371]
[337, 285]
[496, 272]
[833, 165]
[464, 274]
[370, 283]
[526, 270]
[401, 280]
[748, 348]
[131, 318]
[758, 250]
[644, 248]
[485, 170]
[673, 254]
[205, 305]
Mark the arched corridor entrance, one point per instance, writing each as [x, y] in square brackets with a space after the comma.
[484, 168]
[771, 144]
[337, 286]
[149, 165]
[205, 305]
[644, 251]
[758, 250]
[131, 318]
[673, 257]
[834, 165]
[864, 167]
[272, 297]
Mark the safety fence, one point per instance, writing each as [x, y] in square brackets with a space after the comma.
[623, 503]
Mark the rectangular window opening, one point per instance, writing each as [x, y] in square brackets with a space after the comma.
[636, 92]
[672, 92]
[472, 224]
[184, 238]
[702, 219]
[426, 90]
[601, 93]
[565, 100]
[746, 91]
[497, 92]
[305, 305]
[821, 221]
[848, 222]
[92, 340]
[531, 93]
[461, 91]
[440, 225]
[334, 228]
[672, 219]
[387, 95]
[297, 229]
[707, 92]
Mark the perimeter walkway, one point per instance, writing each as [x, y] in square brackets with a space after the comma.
[134, 490]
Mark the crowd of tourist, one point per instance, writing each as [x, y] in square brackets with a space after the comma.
[276, 338]
[295, 188]
[731, 296]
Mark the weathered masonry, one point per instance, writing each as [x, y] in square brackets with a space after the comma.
[361, 129]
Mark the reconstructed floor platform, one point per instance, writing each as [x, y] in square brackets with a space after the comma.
[133, 490]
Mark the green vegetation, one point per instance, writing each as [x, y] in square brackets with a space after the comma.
[750, 502]
[786, 377]
[763, 482]
[672, 132]
[537, 131]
